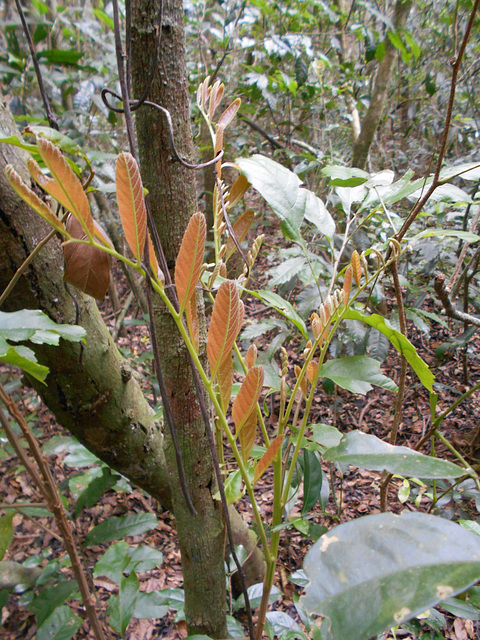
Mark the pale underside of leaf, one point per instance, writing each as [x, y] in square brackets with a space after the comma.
[267, 458]
[63, 185]
[190, 259]
[240, 229]
[225, 324]
[246, 401]
[31, 198]
[86, 267]
[131, 203]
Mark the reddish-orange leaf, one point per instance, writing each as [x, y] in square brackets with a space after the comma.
[247, 435]
[303, 382]
[251, 356]
[31, 198]
[347, 282]
[240, 229]
[86, 267]
[247, 397]
[238, 190]
[63, 185]
[190, 259]
[229, 114]
[192, 321]
[225, 380]
[225, 324]
[312, 371]
[216, 95]
[218, 147]
[131, 203]
[267, 458]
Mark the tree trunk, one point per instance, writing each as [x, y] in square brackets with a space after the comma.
[172, 196]
[380, 91]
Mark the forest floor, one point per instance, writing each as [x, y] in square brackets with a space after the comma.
[356, 493]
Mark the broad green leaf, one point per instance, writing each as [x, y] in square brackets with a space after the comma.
[234, 628]
[281, 188]
[443, 192]
[466, 236]
[466, 171]
[357, 374]
[24, 358]
[279, 624]
[63, 624]
[233, 487]
[399, 341]
[384, 569]
[61, 56]
[255, 592]
[34, 325]
[345, 176]
[282, 306]
[461, 609]
[312, 480]
[52, 597]
[17, 142]
[150, 605]
[62, 141]
[367, 451]
[113, 562]
[118, 527]
[325, 435]
[103, 17]
[470, 525]
[120, 608]
[143, 558]
[6, 531]
[89, 487]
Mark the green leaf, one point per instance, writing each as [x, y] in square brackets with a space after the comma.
[6, 532]
[52, 597]
[255, 592]
[118, 527]
[369, 452]
[63, 624]
[61, 56]
[24, 358]
[345, 176]
[399, 341]
[62, 141]
[466, 236]
[233, 487]
[281, 188]
[113, 562]
[357, 374]
[129, 589]
[312, 480]
[279, 623]
[470, 525]
[461, 609]
[103, 17]
[385, 569]
[150, 605]
[17, 142]
[89, 487]
[234, 628]
[282, 306]
[325, 435]
[34, 325]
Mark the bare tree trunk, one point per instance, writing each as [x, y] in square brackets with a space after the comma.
[380, 91]
[172, 196]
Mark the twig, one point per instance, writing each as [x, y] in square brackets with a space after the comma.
[443, 295]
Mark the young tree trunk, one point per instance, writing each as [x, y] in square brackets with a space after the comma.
[380, 91]
[173, 200]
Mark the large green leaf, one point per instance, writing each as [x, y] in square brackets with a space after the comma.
[37, 327]
[284, 307]
[121, 607]
[281, 188]
[381, 570]
[52, 597]
[6, 531]
[114, 528]
[369, 452]
[399, 341]
[357, 374]
[24, 358]
[63, 624]
[150, 605]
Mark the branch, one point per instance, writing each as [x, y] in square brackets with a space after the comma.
[443, 295]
